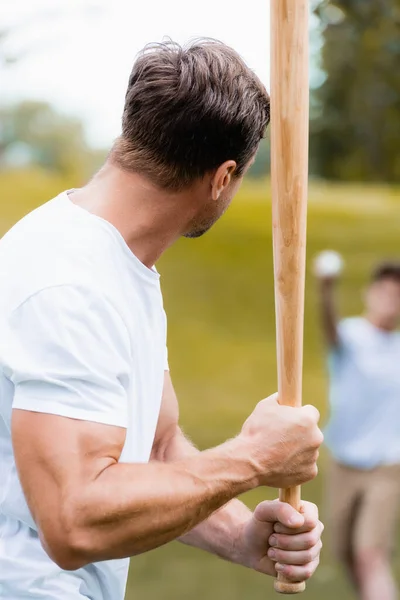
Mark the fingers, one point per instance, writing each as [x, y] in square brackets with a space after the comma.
[279, 512]
[286, 519]
[316, 436]
[309, 512]
[297, 556]
[296, 573]
[302, 541]
[308, 411]
[303, 557]
[312, 412]
[296, 544]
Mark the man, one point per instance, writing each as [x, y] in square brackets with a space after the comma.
[95, 468]
[363, 433]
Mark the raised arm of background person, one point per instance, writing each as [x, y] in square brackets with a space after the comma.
[68, 428]
[234, 532]
[329, 319]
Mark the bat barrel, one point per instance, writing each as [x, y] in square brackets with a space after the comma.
[289, 177]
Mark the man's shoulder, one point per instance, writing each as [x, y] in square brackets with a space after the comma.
[350, 324]
[352, 331]
[51, 248]
[33, 233]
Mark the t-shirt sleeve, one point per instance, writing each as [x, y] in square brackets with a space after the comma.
[345, 331]
[68, 353]
[166, 364]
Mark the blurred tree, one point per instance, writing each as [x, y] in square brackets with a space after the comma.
[33, 133]
[355, 127]
[260, 168]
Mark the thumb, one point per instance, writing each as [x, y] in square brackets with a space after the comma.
[276, 511]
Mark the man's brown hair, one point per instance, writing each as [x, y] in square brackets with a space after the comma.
[386, 270]
[188, 110]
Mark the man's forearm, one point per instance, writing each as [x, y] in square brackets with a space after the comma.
[129, 509]
[219, 533]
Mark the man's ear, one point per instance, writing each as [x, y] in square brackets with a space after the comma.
[222, 178]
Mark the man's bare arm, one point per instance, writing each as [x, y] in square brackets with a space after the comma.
[89, 507]
[219, 533]
[328, 312]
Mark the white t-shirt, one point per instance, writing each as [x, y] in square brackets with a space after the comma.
[364, 427]
[82, 335]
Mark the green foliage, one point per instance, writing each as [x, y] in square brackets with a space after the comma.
[23, 190]
[261, 166]
[34, 133]
[219, 298]
[356, 127]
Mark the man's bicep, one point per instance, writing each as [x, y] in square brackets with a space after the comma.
[170, 442]
[169, 413]
[56, 457]
[168, 418]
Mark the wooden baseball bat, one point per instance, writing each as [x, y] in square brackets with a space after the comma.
[289, 178]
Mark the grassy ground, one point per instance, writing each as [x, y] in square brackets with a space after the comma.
[219, 298]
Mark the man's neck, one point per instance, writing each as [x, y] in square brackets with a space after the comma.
[149, 219]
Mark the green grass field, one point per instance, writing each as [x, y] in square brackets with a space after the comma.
[219, 298]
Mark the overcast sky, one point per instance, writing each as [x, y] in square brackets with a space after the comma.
[79, 52]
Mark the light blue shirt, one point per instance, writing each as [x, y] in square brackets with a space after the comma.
[364, 426]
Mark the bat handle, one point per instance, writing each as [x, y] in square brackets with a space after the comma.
[281, 584]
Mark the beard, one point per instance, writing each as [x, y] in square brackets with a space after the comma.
[201, 225]
[196, 233]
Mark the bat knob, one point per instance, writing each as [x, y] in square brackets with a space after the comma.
[287, 587]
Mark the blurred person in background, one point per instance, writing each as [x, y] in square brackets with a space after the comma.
[95, 467]
[363, 433]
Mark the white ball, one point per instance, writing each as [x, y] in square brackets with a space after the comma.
[328, 264]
